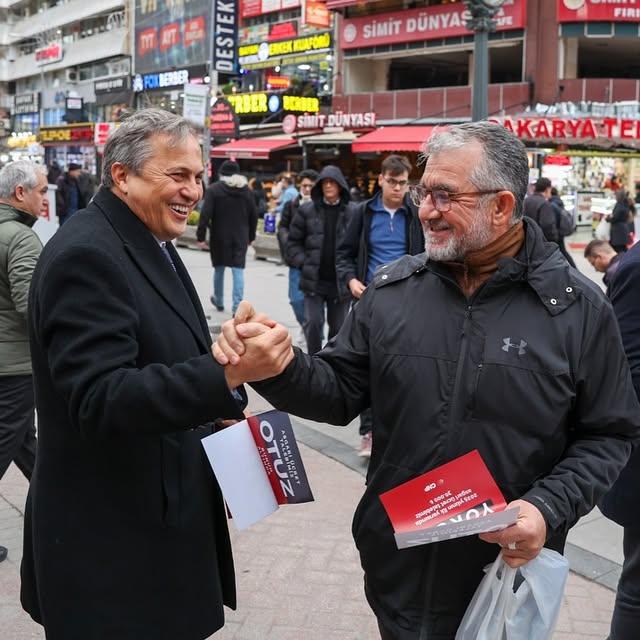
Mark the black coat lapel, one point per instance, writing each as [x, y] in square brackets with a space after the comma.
[146, 253]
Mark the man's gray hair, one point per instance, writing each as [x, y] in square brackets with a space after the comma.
[131, 145]
[20, 172]
[504, 165]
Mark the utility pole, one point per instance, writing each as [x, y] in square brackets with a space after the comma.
[481, 23]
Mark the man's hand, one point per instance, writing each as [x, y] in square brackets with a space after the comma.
[202, 245]
[267, 352]
[356, 287]
[528, 534]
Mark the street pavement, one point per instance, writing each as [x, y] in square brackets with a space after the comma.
[298, 572]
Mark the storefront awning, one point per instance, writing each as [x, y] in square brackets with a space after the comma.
[340, 137]
[393, 139]
[338, 4]
[253, 148]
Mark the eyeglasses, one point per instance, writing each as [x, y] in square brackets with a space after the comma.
[442, 199]
[393, 183]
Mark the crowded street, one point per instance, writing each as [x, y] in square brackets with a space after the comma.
[298, 572]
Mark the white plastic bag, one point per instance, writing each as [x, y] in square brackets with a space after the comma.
[603, 230]
[496, 612]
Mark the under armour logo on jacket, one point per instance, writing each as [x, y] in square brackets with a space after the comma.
[510, 345]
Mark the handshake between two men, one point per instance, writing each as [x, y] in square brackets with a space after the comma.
[255, 346]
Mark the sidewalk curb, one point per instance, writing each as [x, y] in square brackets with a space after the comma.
[582, 562]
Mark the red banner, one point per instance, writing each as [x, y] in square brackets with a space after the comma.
[598, 11]
[562, 129]
[436, 22]
[251, 8]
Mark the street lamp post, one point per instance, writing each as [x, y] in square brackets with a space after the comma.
[481, 23]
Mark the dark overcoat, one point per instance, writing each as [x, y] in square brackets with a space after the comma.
[231, 216]
[125, 529]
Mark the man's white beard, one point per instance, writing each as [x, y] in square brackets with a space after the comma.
[478, 235]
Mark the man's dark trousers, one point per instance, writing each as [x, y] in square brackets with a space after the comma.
[17, 429]
[624, 625]
[314, 306]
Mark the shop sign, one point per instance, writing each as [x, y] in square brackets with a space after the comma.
[52, 52]
[112, 85]
[598, 11]
[255, 33]
[102, 131]
[21, 140]
[435, 22]
[79, 134]
[223, 121]
[26, 103]
[251, 8]
[74, 104]
[265, 53]
[338, 120]
[150, 81]
[196, 103]
[225, 28]
[558, 129]
[281, 30]
[250, 104]
[278, 82]
[172, 34]
[315, 13]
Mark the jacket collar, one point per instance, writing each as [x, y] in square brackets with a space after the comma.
[146, 253]
[7, 212]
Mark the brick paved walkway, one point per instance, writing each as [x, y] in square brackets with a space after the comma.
[310, 588]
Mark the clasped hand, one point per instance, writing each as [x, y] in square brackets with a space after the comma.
[252, 347]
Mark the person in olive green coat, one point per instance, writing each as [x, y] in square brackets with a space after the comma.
[23, 188]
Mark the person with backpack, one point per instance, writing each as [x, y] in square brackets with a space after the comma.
[565, 222]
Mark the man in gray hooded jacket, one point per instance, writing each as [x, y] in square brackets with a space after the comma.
[23, 188]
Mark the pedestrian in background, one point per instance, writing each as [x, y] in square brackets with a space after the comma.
[259, 196]
[306, 180]
[125, 532]
[69, 197]
[621, 503]
[288, 192]
[489, 341]
[381, 230]
[602, 257]
[619, 219]
[230, 215]
[538, 208]
[315, 231]
[23, 189]
[559, 210]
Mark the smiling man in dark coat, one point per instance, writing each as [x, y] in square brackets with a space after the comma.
[125, 529]
[230, 213]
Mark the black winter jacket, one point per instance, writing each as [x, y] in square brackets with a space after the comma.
[306, 232]
[288, 212]
[621, 503]
[231, 215]
[538, 208]
[619, 234]
[352, 255]
[530, 371]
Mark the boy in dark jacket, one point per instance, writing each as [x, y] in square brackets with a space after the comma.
[306, 180]
[315, 232]
[381, 230]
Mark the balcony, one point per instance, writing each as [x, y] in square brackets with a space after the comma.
[74, 11]
[443, 103]
[104, 45]
[600, 90]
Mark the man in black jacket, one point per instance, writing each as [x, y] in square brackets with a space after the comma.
[539, 208]
[125, 527]
[381, 230]
[489, 341]
[315, 232]
[306, 180]
[69, 196]
[621, 503]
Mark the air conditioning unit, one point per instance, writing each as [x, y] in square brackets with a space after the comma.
[71, 75]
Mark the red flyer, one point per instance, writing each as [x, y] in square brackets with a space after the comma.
[459, 498]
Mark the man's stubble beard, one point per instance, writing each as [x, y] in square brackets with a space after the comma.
[477, 236]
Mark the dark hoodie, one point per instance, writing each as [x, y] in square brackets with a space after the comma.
[314, 234]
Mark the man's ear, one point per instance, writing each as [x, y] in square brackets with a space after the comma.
[19, 193]
[119, 175]
[505, 203]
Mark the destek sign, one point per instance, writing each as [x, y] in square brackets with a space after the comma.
[225, 36]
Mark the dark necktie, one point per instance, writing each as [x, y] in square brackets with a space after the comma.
[167, 255]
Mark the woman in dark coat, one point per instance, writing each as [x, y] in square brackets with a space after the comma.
[229, 212]
[619, 218]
